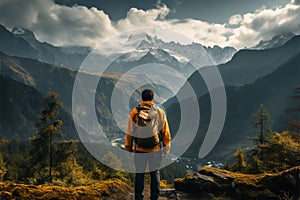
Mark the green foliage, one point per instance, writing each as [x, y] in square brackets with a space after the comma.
[227, 166]
[71, 173]
[72, 166]
[273, 152]
[262, 123]
[49, 131]
[16, 163]
[175, 170]
[111, 159]
[255, 166]
[64, 149]
[39, 176]
[97, 174]
[240, 165]
[281, 151]
[14, 155]
[3, 168]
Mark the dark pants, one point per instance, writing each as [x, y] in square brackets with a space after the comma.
[141, 160]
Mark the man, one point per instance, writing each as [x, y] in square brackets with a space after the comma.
[148, 148]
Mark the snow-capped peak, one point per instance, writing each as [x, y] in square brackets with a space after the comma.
[22, 31]
[18, 31]
[276, 41]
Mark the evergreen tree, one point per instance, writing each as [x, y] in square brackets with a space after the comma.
[255, 166]
[240, 164]
[283, 151]
[70, 172]
[258, 154]
[262, 123]
[3, 168]
[227, 166]
[49, 130]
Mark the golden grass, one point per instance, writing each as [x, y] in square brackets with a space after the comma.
[240, 178]
[112, 188]
[165, 185]
[245, 186]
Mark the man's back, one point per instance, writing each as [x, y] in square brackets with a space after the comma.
[145, 142]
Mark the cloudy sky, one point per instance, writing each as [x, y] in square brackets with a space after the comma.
[237, 23]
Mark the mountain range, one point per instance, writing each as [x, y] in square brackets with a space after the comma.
[273, 90]
[35, 80]
[251, 76]
[192, 51]
[247, 65]
[26, 45]
[23, 43]
[20, 105]
[276, 41]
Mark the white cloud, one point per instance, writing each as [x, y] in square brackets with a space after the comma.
[265, 24]
[55, 23]
[82, 26]
[73, 25]
[235, 19]
[139, 18]
[21, 13]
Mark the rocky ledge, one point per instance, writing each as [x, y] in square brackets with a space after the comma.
[211, 183]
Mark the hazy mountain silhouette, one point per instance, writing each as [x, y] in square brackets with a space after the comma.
[15, 46]
[22, 43]
[248, 65]
[20, 106]
[272, 90]
[45, 78]
[276, 41]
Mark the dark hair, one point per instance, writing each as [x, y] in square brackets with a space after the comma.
[147, 95]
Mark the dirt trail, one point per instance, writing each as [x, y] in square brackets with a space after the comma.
[147, 195]
[165, 194]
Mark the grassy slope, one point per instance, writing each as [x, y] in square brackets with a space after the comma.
[113, 188]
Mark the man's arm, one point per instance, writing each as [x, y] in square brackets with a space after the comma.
[129, 133]
[166, 136]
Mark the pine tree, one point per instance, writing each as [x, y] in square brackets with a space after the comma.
[49, 130]
[240, 164]
[255, 166]
[3, 168]
[284, 151]
[70, 172]
[227, 166]
[258, 154]
[263, 124]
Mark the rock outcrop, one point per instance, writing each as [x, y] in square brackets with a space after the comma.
[211, 182]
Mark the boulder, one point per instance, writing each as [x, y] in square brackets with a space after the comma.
[221, 183]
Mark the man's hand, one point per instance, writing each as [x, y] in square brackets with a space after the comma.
[166, 150]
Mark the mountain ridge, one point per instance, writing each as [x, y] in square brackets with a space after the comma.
[274, 42]
[27, 46]
[248, 65]
[20, 106]
[272, 90]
